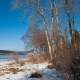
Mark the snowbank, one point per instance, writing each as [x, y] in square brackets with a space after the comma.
[27, 69]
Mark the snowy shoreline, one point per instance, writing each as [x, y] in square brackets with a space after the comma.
[27, 69]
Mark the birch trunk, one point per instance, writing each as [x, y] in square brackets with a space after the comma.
[68, 17]
[46, 30]
[48, 41]
[52, 28]
[59, 33]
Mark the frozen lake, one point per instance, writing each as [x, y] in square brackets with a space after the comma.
[8, 57]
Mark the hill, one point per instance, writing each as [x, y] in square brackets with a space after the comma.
[7, 52]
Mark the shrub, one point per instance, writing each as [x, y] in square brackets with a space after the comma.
[14, 70]
[68, 58]
[14, 56]
[39, 58]
[36, 75]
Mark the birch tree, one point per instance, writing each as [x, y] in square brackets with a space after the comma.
[58, 25]
[37, 7]
[72, 7]
[46, 13]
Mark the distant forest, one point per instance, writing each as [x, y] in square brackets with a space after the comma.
[3, 52]
[7, 52]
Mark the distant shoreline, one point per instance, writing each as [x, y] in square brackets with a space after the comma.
[8, 52]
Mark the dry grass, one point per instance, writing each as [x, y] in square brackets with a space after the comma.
[31, 58]
[12, 63]
[6, 70]
[18, 62]
[14, 70]
[22, 62]
[14, 56]
[39, 58]
[51, 66]
[9, 68]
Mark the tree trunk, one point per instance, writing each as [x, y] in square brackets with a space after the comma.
[48, 41]
[68, 17]
[73, 20]
[46, 30]
[58, 24]
[52, 29]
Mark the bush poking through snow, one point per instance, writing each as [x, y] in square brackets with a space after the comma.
[51, 66]
[14, 56]
[36, 75]
[39, 58]
[14, 70]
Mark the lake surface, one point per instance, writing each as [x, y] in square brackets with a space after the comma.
[8, 57]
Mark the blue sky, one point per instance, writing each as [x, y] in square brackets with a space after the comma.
[11, 28]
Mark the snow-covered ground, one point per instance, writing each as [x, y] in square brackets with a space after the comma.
[27, 69]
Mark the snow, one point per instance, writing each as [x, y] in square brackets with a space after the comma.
[28, 68]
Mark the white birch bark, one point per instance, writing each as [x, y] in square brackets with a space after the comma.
[68, 17]
[59, 33]
[52, 27]
[46, 30]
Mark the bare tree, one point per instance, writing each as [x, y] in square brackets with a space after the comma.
[47, 13]
[71, 7]
[28, 36]
[37, 7]
[39, 41]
